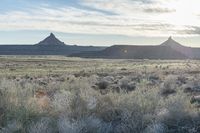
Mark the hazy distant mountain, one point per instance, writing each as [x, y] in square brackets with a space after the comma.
[49, 46]
[169, 49]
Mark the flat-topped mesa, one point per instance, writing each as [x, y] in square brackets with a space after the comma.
[51, 40]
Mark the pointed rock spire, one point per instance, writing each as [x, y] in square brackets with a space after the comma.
[52, 35]
[172, 43]
[51, 40]
[170, 38]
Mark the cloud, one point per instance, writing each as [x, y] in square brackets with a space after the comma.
[130, 17]
[193, 30]
[159, 10]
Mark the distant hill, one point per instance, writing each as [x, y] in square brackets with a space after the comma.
[49, 46]
[169, 49]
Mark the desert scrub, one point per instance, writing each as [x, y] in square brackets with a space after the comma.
[60, 101]
[81, 105]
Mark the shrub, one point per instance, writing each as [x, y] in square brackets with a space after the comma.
[169, 86]
[180, 116]
[167, 91]
[127, 85]
[103, 84]
[182, 79]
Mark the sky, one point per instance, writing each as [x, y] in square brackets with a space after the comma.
[100, 22]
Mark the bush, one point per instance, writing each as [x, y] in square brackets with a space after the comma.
[180, 118]
[127, 85]
[102, 85]
[167, 91]
[169, 86]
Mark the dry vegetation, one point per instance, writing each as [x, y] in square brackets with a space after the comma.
[72, 95]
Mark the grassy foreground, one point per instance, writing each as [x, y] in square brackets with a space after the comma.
[71, 95]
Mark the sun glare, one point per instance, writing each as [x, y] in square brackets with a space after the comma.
[185, 12]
